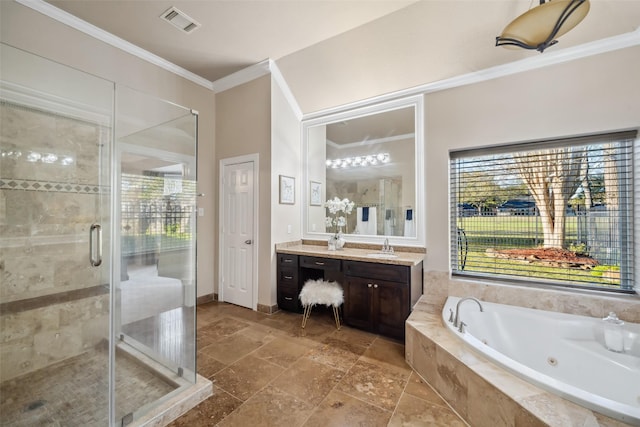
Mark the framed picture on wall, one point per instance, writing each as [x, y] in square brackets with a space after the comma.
[315, 191]
[287, 190]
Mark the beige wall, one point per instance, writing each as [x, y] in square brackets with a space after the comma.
[591, 95]
[244, 127]
[285, 160]
[596, 94]
[63, 44]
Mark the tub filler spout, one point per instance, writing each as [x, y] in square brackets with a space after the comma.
[456, 320]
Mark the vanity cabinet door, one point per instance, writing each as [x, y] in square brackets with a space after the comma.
[390, 307]
[358, 302]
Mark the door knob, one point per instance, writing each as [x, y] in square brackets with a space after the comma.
[247, 242]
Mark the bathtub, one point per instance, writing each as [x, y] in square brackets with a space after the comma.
[562, 353]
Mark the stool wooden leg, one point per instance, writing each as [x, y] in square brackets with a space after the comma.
[336, 316]
[305, 315]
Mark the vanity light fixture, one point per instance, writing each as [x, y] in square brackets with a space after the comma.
[539, 27]
[359, 161]
[34, 156]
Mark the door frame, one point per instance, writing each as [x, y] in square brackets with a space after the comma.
[255, 158]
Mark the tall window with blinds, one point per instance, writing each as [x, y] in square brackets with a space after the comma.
[553, 212]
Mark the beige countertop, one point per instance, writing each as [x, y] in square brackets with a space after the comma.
[354, 254]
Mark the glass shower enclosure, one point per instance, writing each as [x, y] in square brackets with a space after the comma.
[97, 247]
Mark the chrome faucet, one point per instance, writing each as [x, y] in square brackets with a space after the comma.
[386, 247]
[456, 320]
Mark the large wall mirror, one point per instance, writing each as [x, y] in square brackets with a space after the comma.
[374, 157]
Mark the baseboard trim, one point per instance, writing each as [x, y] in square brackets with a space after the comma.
[206, 298]
[267, 309]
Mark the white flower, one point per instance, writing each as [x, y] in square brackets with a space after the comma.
[336, 206]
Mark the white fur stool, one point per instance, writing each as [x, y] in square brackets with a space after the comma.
[321, 292]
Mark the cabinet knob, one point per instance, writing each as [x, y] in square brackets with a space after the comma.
[375, 286]
[369, 285]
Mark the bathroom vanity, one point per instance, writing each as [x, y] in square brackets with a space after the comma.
[379, 291]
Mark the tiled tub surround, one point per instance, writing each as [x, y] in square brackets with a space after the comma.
[47, 205]
[467, 380]
[561, 353]
[439, 285]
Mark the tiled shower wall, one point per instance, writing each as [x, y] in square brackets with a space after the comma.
[53, 304]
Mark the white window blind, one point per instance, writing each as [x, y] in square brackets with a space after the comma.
[557, 212]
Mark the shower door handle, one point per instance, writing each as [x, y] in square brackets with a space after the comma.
[95, 251]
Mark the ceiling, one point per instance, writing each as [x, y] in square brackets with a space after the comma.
[234, 33]
[238, 33]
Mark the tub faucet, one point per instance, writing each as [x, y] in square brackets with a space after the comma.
[456, 320]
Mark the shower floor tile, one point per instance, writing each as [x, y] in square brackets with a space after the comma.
[74, 392]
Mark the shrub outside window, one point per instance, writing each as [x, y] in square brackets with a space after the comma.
[552, 212]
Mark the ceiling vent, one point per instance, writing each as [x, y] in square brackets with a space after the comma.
[180, 20]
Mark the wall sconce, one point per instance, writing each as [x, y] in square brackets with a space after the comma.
[538, 28]
[359, 161]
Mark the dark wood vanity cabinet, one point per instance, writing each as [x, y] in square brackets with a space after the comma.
[289, 285]
[377, 297]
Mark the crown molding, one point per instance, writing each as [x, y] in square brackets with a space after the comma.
[269, 66]
[115, 41]
[546, 59]
[243, 76]
[286, 90]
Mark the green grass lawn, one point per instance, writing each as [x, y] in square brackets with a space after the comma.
[502, 232]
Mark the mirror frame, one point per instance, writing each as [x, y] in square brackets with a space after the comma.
[417, 102]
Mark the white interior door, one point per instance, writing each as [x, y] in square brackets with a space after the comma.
[237, 249]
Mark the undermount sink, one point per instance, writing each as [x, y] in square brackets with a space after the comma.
[382, 256]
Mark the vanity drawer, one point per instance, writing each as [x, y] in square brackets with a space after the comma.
[320, 263]
[288, 298]
[372, 270]
[288, 260]
[288, 276]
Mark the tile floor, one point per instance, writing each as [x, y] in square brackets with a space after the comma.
[269, 372]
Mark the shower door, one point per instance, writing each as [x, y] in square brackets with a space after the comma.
[55, 139]
[156, 216]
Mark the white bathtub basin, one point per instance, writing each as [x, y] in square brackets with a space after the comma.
[562, 353]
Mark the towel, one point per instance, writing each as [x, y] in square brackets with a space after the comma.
[369, 227]
[409, 224]
[365, 214]
[387, 214]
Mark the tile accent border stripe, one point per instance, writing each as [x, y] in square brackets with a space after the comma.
[51, 186]
[14, 307]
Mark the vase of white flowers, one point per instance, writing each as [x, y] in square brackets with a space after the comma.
[337, 220]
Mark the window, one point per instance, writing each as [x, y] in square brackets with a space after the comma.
[556, 212]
